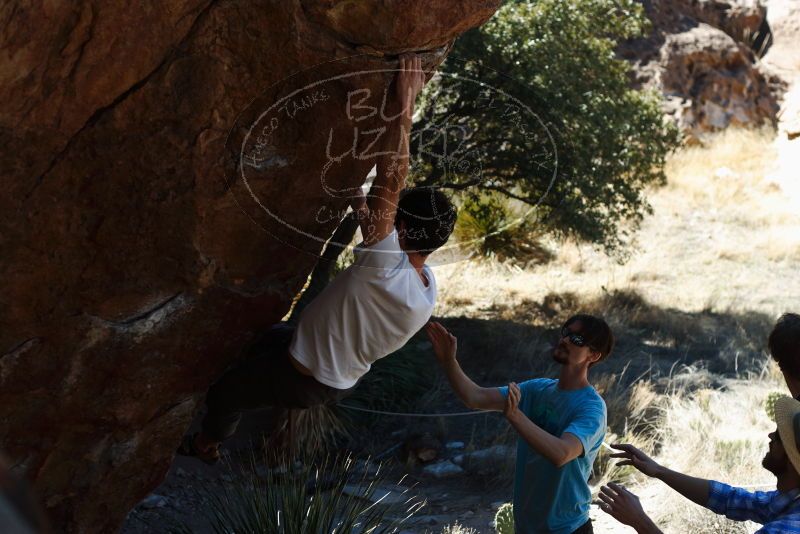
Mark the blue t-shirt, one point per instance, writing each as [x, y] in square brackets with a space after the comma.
[548, 498]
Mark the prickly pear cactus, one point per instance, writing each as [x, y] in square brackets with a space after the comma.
[504, 519]
[769, 404]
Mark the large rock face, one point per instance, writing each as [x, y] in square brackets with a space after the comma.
[741, 19]
[711, 83]
[702, 57]
[132, 268]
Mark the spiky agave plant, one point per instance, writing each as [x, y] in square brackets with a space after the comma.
[330, 496]
[494, 228]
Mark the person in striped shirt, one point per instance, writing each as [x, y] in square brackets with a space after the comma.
[777, 511]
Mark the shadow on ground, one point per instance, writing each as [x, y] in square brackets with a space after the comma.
[512, 342]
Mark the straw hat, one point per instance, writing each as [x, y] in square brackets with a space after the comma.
[787, 415]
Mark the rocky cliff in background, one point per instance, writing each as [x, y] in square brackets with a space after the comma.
[132, 269]
[704, 56]
[783, 61]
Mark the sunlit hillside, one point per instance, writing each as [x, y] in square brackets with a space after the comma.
[724, 235]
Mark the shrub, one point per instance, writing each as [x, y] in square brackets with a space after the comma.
[604, 141]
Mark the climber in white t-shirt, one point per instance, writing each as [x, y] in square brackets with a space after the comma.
[368, 311]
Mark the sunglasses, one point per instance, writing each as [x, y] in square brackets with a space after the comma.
[576, 339]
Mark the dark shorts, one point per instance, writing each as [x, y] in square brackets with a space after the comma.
[266, 378]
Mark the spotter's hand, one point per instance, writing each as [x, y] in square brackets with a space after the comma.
[634, 457]
[444, 343]
[625, 507]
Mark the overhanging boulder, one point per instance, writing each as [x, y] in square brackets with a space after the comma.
[133, 268]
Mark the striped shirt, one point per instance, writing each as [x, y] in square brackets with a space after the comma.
[777, 512]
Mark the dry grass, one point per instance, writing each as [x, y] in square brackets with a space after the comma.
[740, 199]
[719, 434]
[317, 429]
[714, 434]
[633, 418]
[724, 235]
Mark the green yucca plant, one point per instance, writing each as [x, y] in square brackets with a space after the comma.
[330, 496]
[491, 226]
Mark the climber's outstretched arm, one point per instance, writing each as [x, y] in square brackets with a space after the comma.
[378, 221]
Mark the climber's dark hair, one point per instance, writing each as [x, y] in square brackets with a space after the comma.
[428, 218]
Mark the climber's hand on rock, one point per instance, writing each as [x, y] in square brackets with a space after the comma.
[410, 81]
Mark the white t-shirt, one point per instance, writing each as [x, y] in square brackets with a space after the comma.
[368, 311]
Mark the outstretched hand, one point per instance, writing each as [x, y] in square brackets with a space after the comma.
[636, 458]
[410, 80]
[625, 507]
[444, 343]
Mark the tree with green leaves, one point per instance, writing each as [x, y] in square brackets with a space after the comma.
[535, 106]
